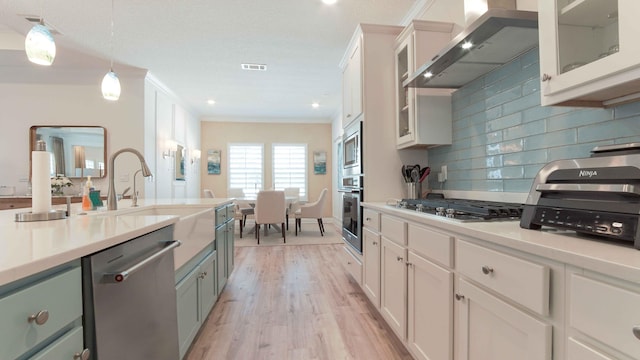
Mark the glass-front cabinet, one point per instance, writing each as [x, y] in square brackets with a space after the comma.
[423, 116]
[589, 52]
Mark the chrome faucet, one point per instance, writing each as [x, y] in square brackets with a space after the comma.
[134, 197]
[112, 201]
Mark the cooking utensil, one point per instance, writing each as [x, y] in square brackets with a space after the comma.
[424, 173]
[415, 174]
[404, 173]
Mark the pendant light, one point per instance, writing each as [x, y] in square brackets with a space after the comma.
[110, 82]
[39, 44]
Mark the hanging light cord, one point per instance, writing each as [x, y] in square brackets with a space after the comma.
[112, 1]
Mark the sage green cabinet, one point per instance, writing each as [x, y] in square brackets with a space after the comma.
[196, 293]
[40, 313]
[225, 243]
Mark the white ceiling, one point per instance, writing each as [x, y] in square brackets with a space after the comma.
[195, 47]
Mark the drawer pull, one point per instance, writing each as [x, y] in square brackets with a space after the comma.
[636, 331]
[368, 219]
[399, 258]
[40, 317]
[487, 270]
[375, 243]
[459, 297]
[84, 355]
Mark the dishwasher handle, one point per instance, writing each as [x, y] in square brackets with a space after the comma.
[120, 276]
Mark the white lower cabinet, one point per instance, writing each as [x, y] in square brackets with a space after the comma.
[371, 243]
[604, 319]
[430, 309]
[489, 328]
[393, 305]
[352, 263]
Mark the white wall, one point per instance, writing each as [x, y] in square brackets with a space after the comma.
[129, 122]
[25, 105]
[171, 124]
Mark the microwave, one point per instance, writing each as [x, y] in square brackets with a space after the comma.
[352, 149]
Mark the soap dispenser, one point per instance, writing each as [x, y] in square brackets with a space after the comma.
[86, 201]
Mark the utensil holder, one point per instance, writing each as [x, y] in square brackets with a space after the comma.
[414, 190]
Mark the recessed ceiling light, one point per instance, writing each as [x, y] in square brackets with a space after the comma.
[428, 74]
[329, 2]
[315, 105]
[211, 102]
[467, 45]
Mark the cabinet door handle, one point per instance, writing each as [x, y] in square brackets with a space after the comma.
[368, 219]
[546, 77]
[399, 258]
[487, 270]
[409, 264]
[84, 355]
[636, 331]
[459, 297]
[40, 318]
[375, 243]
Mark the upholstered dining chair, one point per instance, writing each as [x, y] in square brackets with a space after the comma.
[208, 193]
[312, 210]
[270, 209]
[292, 192]
[241, 211]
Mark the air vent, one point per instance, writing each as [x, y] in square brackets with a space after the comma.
[254, 67]
[33, 19]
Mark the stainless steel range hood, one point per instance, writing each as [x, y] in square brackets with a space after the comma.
[497, 37]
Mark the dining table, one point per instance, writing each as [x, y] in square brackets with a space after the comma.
[250, 201]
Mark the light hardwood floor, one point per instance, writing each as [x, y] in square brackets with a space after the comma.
[294, 302]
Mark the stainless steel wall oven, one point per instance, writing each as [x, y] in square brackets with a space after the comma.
[352, 212]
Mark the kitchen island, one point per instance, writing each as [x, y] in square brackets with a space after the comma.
[41, 274]
[30, 247]
[450, 288]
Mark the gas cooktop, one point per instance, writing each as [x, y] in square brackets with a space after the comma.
[464, 209]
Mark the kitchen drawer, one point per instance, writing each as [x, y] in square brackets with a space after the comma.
[371, 219]
[394, 229]
[431, 244]
[522, 281]
[605, 312]
[352, 264]
[70, 346]
[579, 351]
[60, 295]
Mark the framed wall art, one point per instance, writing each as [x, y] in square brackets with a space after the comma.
[213, 162]
[319, 162]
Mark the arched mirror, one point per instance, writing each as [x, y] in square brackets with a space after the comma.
[76, 151]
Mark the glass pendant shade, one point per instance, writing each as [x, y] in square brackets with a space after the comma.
[111, 86]
[39, 46]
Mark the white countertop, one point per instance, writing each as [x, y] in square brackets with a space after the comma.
[614, 259]
[27, 248]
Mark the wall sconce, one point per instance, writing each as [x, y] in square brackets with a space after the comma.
[170, 152]
[195, 156]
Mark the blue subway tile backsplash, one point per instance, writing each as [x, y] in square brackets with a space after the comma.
[502, 136]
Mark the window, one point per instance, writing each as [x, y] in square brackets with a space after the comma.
[290, 167]
[245, 167]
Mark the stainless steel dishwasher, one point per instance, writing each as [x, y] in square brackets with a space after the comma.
[130, 299]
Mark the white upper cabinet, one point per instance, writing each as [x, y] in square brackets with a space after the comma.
[589, 52]
[423, 116]
[352, 84]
